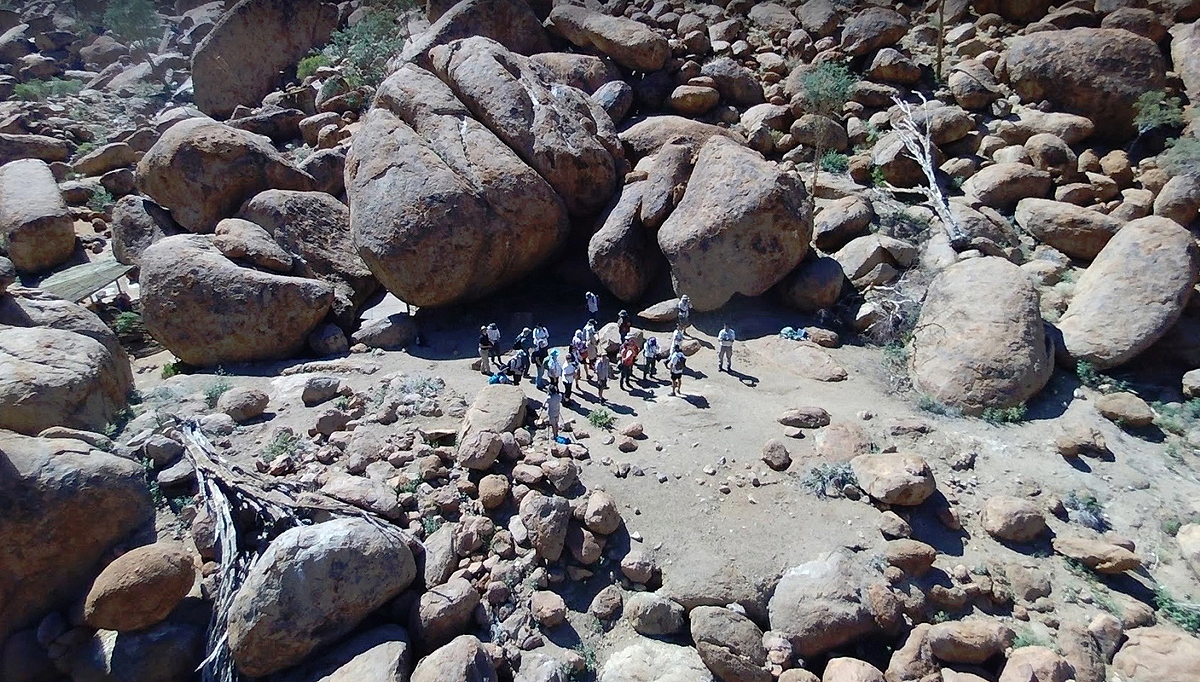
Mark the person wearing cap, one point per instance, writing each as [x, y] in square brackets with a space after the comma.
[570, 371]
[623, 323]
[684, 311]
[593, 303]
[553, 408]
[603, 374]
[725, 339]
[493, 333]
[579, 354]
[676, 363]
[524, 340]
[592, 342]
[541, 345]
[626, 359]
[518, 366]
[650, 353]
[485, 351]
[553, 369]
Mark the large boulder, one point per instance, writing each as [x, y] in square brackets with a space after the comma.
[1159, 653]
[630, 43]
[207, 311]
[651, 133]
[1185, 56]
[59, 377]
[1003, 184]
[140, 588]
[509, 22]
[1132, 294]
[440, 209]
[36, 228]
[498, 408]
[1097, 554]
[730, 644]
[313, 585]
[202, 171]
[464, 659]
[820, 605]
[137, 223]
[649, 660]
[815, 285]
[65, 506]
[545, 518]
[1012, 518]
[382, 654]
[622, 253]
[894, 478]
[165, 652]
[1188, 539]
[1094, 72]
[1076, 231]
[979, 340]
[314, 227]
[743, 224]
[558, 130]
[239, 61]
[43, 147]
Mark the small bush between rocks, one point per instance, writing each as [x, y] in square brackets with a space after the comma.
[1172, 524]
[128, 322]
[430, 524]
[601, 419]
[835, 162]
[366, 47]
[100, 200]
[878, 179]
[1186, 616]
[1177, 418]
[309, 65]
[828, 480]
[1086, 510]
[114, 428]
[1154, 110]
[214, 391]
[40, 90]
[1090, 377]
[932, 406]
[895, 365]
[1026, 638]
[1182, 157]
[1005, 415]
[284, 443]
[133, 21]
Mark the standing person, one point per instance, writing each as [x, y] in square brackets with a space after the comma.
[725, 339]
[593, 303]
[524, 340]
[592, 340]
[623, 323]
[676, 362]
[553, 408]
[579, 351]
[485, 351]
[650, 353]
[625, 362]
[677, 338]
[684, 309]
[570, 371]
[553, 369]
[493, 333]
[541, 345]
[603, 374]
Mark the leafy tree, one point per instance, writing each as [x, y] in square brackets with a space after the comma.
[133, 21]
[366, 47]
[1155, 110]
[825, 90]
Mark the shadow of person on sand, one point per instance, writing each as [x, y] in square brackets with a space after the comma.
[746, 379]
[696, 400]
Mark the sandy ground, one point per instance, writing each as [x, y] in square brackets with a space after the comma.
[720, 426]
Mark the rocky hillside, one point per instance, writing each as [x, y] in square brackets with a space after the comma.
[247, 246]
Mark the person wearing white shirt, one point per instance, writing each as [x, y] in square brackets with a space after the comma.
[684, 311]
[570, 370]
[593, 303]
[725, 339]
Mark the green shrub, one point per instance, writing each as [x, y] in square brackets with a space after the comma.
[1086, 510]
[1182, 157]
[601, 418]
[128, 323]
[284, 443]
[367, 46]
[828, 480]
[1177, 418]
[826, 88]
[928, 404]
[133, 21]
[1154, 109]
[309, 65]
[40, 90]
[214, 391]
[1005, 415]
[1029, 638]
[1088, 376]
[100, 200]
[1186, 616]
[835, 162]
[877, 177]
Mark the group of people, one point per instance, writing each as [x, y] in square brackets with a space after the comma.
[557, 372]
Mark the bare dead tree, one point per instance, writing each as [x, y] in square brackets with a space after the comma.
[919, 145]
[249, 511]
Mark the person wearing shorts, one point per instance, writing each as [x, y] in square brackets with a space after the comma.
[603, 374]
[676, 364]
